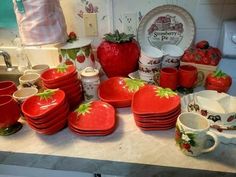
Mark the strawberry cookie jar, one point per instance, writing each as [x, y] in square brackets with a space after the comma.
[77, 52]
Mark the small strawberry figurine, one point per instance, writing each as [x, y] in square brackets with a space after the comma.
[118, 54]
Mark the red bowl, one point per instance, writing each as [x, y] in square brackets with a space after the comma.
[50, 123]
[53, 76]
[37, 107]
[48, 117]
[74, 78]
[115, 92]
[9, 111]
[7, 87]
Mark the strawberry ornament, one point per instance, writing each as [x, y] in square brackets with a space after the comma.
[118, 54]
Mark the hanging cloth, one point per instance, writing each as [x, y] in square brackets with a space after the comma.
[40, 21]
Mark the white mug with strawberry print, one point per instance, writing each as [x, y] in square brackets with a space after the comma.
[192, 133]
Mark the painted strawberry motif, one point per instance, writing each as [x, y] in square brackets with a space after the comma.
[231, 118]
[80, 57]
[118, 54]
[72, 37]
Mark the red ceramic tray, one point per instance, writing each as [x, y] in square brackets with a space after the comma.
[37, 107]
[154, 100]
[96, 115]
[54, 75]
[143, 125]
[155, 128]
[118, 91]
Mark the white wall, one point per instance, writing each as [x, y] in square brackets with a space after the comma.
[208, 16]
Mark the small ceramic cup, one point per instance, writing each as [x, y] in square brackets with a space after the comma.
[172, 55]
[192, 134]
[23, 93]
[10, 113]
[167, 78]
[189, 76]
[151, 56]
[39, 69]
[30, 80]
[149, 69]
[7, 87]
[146, 77]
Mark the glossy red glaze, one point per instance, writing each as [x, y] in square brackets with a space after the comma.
[169, 78]
[187, 76]
[7, 87]
[101, 117]
[114, 92]
[37, 107]
[51, 76]
[146, 101]
[9, 111]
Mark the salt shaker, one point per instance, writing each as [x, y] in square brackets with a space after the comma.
[90, 81]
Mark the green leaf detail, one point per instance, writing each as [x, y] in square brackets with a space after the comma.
[84, 108]
[72, 53]
[118, 37]
[46, 94]
[63, 53]
[133, 84]
[219, 73]
[165, 92]
[62, 68]
[87, 51]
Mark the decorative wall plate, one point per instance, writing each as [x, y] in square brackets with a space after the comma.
[167, 24]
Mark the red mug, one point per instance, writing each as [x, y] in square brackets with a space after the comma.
[7, 87]
[189, 76]
[9, 111]
[167, 78]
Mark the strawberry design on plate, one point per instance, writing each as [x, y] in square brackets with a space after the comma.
[80, 57]
[95, 115]
[118, 91]
[43, 103]
[151, 99]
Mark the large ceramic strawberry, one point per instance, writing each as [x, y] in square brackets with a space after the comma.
[118, 54]
[218, 81]
[93, 116]
[118, 91]
[151, 99]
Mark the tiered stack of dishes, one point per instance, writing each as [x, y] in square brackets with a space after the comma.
[155, 108]
[95, 118]
[46, 112]
[65, 77]
[118, 91]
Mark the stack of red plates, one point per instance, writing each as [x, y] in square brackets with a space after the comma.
[95, 118]
[46, 112]
[155, 108]
[66, 79]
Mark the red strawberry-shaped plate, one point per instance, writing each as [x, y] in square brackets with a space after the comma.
[95, 115]
[60, 73]
[118, 91]
[155, 128]
[153, 125]
[160, 121]
[49, 123]
[151, 99]
[48, 117]
[43, 103]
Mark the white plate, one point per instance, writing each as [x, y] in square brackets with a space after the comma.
[167, 24]
[226, 136]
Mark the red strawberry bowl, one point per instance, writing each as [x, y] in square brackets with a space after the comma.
[95, 115]
[43, 103]
[62, 72]
[118, 91]
[151, 99]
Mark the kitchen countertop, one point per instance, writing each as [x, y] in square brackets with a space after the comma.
[127, 152]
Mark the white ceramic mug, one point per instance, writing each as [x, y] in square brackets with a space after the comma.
[172, 55]
[30, 80]
[39, 69]
[23, 93]
[151, 56]
[192, 133]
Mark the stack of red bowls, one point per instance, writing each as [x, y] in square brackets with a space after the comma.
[46, 112]
[65, 77]
[155, 108]
[95, 118]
